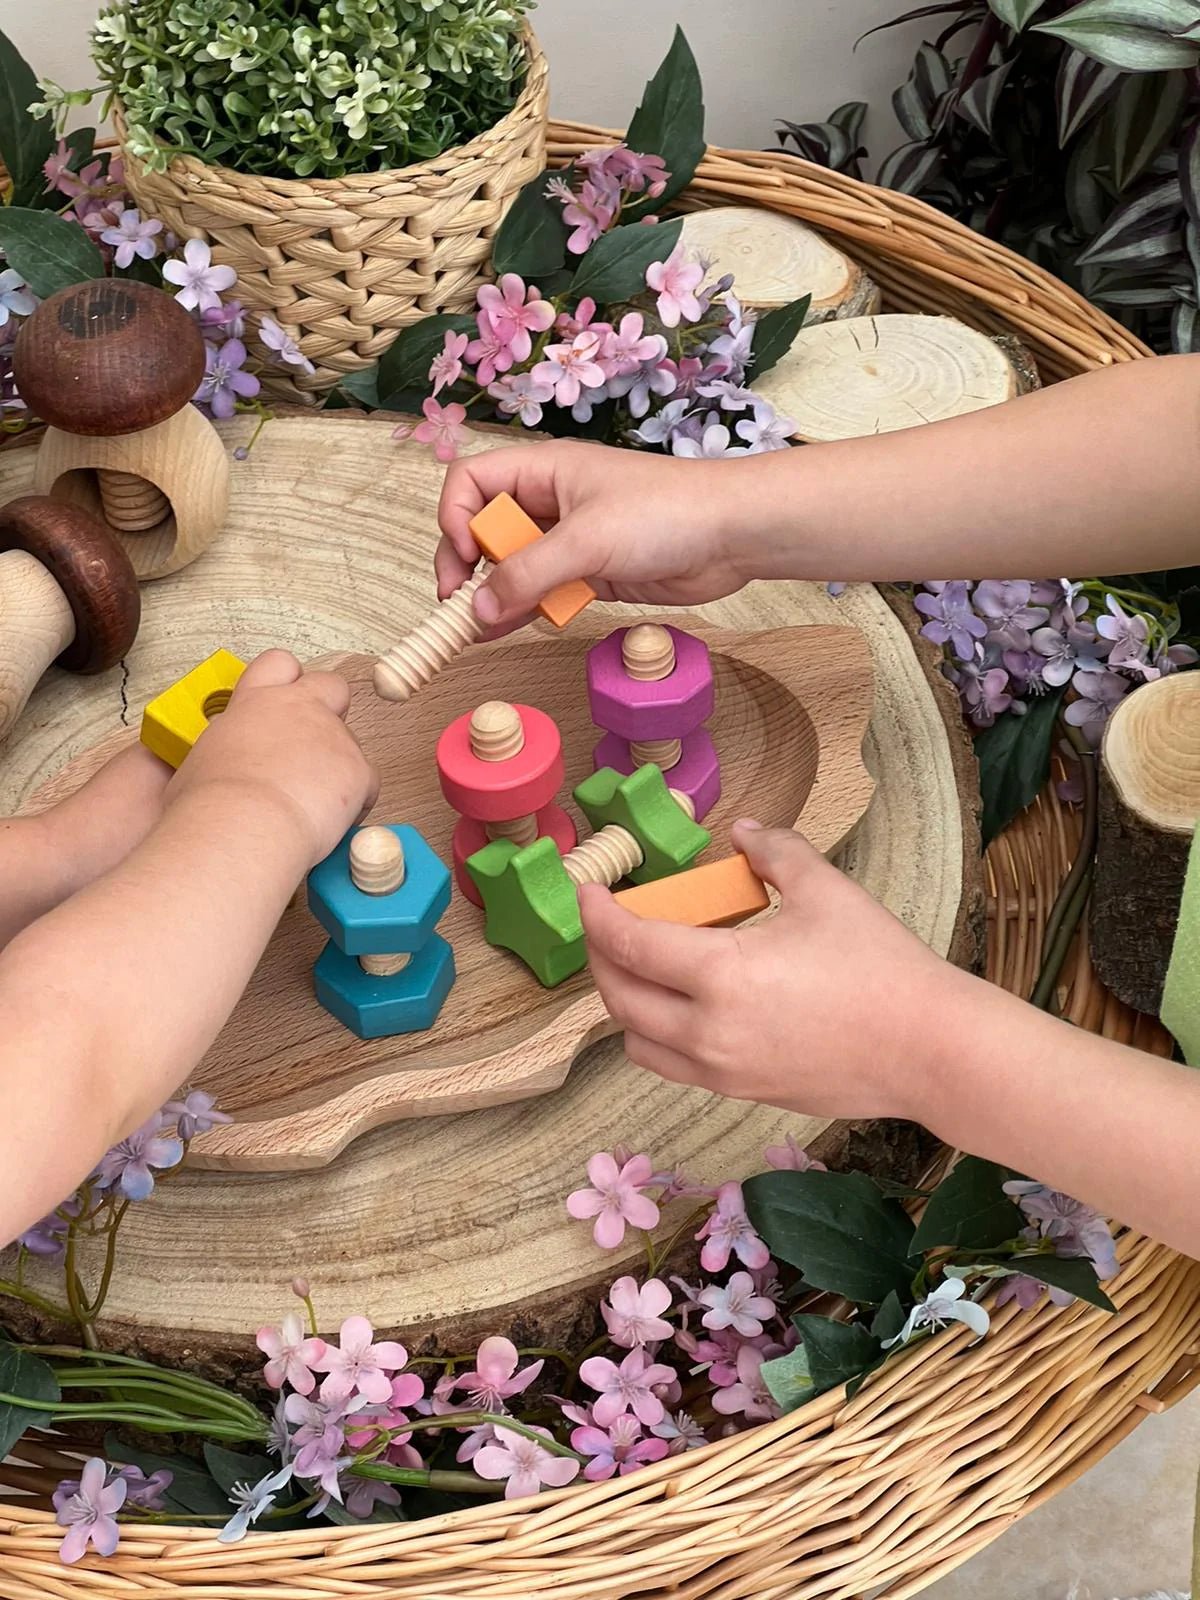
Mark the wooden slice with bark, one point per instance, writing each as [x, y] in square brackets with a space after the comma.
[774, 259]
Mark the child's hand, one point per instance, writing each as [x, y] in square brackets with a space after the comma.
[639, 528]
[283, 739]
[830, 1008]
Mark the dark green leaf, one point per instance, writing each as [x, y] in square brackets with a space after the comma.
[849, 118]
[230, 1466]
[890, 1318]
[380, 1513]
[910, 112]
[978, 105]
[1077, 1277]
[788, 1380]
[933, 77]
[836, 1228]
[532, 239]
[46, 250]
[362, 387]
[911, 168]
[1014, 762]
[775, 333]
[25, 141]
[1083, 86]
[1189, 176]
[1185, 329]
[958, 8]
[1015, 14]
[192, 1489]
[404, 365]
[1146, 115]
[1146, 228]
[670, 122]
[1088, 201]
[837, 1352]
[1134, 35]
[615, 266]
[969, 1210]
[27, 1378]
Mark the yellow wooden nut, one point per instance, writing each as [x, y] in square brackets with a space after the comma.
[173, 721]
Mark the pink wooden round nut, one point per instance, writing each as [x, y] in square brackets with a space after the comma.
[498, 791]
[470, 835]
[697, 773]
[663, 708]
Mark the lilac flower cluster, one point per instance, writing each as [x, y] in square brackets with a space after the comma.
[1008, 641]
[613, 179]
[1074, 1231]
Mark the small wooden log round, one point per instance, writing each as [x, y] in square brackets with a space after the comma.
[1149, 808]
[774, 259]
[842, 380]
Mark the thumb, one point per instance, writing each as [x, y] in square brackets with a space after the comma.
[781, 857]
[269, 671]
[517, 583]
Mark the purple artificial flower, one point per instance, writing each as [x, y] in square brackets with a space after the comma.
[1006, 605]
[748, 1395]
[48, 1237]
[130, 1165]
[284, 347]
[518, 394]
[714, 443]
[985, 692]
[16, 297]
[765, 430]
[1027, 1291]
[680, 1431]
[1098, 691]
[1077, 1231]
[143, 1491]
[201, 284]
[1066, 650]
[132, 236]
[224, 380]
[952, 620]
[89, 1512]
[364, 1494]
[225, 321]
[634, 1315]
[620, 1448]
[627, 346]
[654, 378]
[1129, 636]
[589, 213]
[196, 1113]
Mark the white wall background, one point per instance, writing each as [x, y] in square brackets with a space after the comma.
[759, 59]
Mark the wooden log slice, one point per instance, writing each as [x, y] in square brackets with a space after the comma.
[842, 380]
[775, 259]
[445, 1229]
[1149, 807]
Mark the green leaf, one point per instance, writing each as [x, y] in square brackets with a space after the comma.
[1015, 14]
[1145, 229]
[27, 1378]
[25, 141]
[1146, 115]
[46, 250]
[404, 365]
[615, 266]
[788, 1380]
[532, 239]
[890, 1318]
[837, 1352]
[775, 333]
[347, 1519]
[1082, 87]
[1014, 761]
[969, 1210]
[836, 1228]
[192, 1489]
[229, 1466]
[1077, 1277]
[1134, 35]
[670, 123]
[362, 387]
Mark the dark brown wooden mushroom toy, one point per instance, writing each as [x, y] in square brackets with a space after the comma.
[68, 597]
[110, 365]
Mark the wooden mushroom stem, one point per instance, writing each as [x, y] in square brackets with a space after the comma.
[36, 626]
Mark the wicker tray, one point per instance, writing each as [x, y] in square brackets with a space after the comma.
[949, 1445]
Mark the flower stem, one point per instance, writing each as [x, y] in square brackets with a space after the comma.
[477, 1419]
[1072, 898]
[18, 1291]
[414, 1478]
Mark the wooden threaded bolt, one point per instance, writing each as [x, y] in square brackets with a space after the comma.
[661, 753]
[413, 662]
[684, 802]
[377, 867]
[648, 652]
[607, 857]
[131, 504]
[497, 734]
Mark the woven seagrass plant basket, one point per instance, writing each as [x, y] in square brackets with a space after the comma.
[345, 263]
[945, 1447]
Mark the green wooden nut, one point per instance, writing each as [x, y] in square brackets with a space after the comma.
[531, 906]
[642, 804]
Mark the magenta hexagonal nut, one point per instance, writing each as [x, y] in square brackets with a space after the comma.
[697, 773]
[664, 708]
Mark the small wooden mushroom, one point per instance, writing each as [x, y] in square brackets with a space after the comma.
[68, 597]
[111, 365]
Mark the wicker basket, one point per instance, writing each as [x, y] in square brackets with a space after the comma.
[947, 1446]
[345, 263]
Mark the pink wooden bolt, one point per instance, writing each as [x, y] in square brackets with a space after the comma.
[500, 767]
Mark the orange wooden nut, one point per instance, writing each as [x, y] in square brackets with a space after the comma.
[706, 897]
[502, 528]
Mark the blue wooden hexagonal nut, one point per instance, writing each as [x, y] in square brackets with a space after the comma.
[380, 924]
[376, 1008]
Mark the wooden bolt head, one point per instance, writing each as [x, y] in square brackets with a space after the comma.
[496, 732]
[648, 652]
[376, 861]
[89, 566]
[109, 356]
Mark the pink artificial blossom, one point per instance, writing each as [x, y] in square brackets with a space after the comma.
[749, 1396]
[627, 346]
[517, 394]
[569, 323]
[495, 1378]
[442, 428]
[615, 1198]
[590, 213]
[675, 282]
[570, 368]
[620, 1448]
[633, 1315]
[789, 1156]
[736, 1305]
[515, 313]
[526, 1464]
[628, 1387]
[447, 365]
[488, 354]
[358, 1366]
[291, 1355]
[201, 284]
[56, 167]
[728, 1231]
[680, 1431]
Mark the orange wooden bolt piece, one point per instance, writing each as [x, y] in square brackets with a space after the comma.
[712, 896]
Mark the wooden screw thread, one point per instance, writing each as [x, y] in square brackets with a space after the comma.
[383, 966]
[131, 504]
[415, 661]
[377, 867]
[607, 857]
[684, 802]
[648, 652]
[521, 830]
[661, 753]
[496, 731]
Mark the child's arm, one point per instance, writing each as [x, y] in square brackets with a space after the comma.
[1094, 476]
[786, 1013]
[46, 858]
[108, 1002]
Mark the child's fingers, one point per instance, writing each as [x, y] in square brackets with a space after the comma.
[269, 671]
[372, 793]
[661, 1059]
[642, 1007]
[524, 472]
[571, 550]
[781, 857]
[331, 689]
[664, 953]
[449, 567]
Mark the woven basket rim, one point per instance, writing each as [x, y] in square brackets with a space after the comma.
[199, 175]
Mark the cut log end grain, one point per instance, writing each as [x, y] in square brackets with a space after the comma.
[1149, 805]
[774, 259]
[842, 380]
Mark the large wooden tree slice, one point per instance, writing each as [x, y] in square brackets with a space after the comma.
[454, 1226]
[842, 380]
[775, 259]
[1149, 809]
